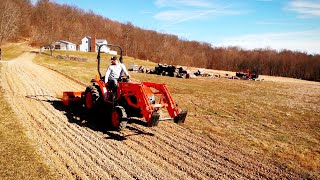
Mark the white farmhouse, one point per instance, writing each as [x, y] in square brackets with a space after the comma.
[85, 45]
[89, 44]
[65, 45]
[104, 49]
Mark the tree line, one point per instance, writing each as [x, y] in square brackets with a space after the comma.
[46, 22]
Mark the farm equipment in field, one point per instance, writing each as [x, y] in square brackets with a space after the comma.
[128, 100]
[183, 73]
[251, 75]
[164, 70]
[201, 73]
[170, 70]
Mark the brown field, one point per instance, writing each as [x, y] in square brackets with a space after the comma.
[19, 157]
[234, 129]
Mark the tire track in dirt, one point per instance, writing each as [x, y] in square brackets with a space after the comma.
[76, 150]
[188, 154]
[95, 148]
[33, 112]
[209, 166]
[204, 151]
[47, 116]
[172, 157]
[220, 155]
[40, 122]
[34, 130]
[183, 161]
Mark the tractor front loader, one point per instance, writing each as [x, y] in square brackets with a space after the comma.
[129, 100]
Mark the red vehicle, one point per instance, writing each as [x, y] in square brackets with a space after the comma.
[247, 75]
[130, 100]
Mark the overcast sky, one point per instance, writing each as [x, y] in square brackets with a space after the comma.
[275, 24]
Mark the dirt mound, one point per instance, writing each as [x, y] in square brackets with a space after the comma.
[75, 147]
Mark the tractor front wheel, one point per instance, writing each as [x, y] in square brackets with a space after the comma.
[118, 118]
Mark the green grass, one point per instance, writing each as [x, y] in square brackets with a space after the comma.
[274, 120]
[18, 159]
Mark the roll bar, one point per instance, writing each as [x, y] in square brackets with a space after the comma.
[99, 51]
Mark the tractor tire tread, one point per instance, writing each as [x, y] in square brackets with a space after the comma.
[123, 121]
[96, 98]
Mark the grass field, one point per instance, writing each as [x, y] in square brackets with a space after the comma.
[18, 159]
[12, 50]
[279, 121]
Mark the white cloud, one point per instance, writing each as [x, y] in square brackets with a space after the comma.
[172, 15]
[308, 41]
[187, 10]
[146, 12]
[279, 23]
[271, 23]
[305, 9]
[178, 3]
[185, 15]
[181, 15]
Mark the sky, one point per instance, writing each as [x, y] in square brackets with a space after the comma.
[249, 24]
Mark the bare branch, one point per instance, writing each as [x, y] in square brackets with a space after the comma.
[9, 20]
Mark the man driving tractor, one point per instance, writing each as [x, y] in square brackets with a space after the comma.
[114, 72]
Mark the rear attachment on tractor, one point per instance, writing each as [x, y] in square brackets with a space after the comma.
[72, 97]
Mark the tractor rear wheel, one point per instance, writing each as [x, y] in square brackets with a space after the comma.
[119, 118]
[92, 98]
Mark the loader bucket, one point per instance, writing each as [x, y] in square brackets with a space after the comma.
[69, 97]
[181, 117]
[154, 120]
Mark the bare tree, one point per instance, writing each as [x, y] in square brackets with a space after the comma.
[9, 19]
[50, 22]
[46, 30]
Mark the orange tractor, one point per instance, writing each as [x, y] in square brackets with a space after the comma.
[129, 100]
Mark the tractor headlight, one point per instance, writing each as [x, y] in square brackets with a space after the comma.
[152, 99]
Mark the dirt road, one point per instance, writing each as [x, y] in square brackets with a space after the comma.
[77, 148]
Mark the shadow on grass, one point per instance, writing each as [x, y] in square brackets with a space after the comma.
[97, 121]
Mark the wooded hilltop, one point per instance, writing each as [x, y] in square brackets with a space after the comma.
[46, 22]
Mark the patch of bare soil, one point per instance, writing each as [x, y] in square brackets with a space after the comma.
[76, 147]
